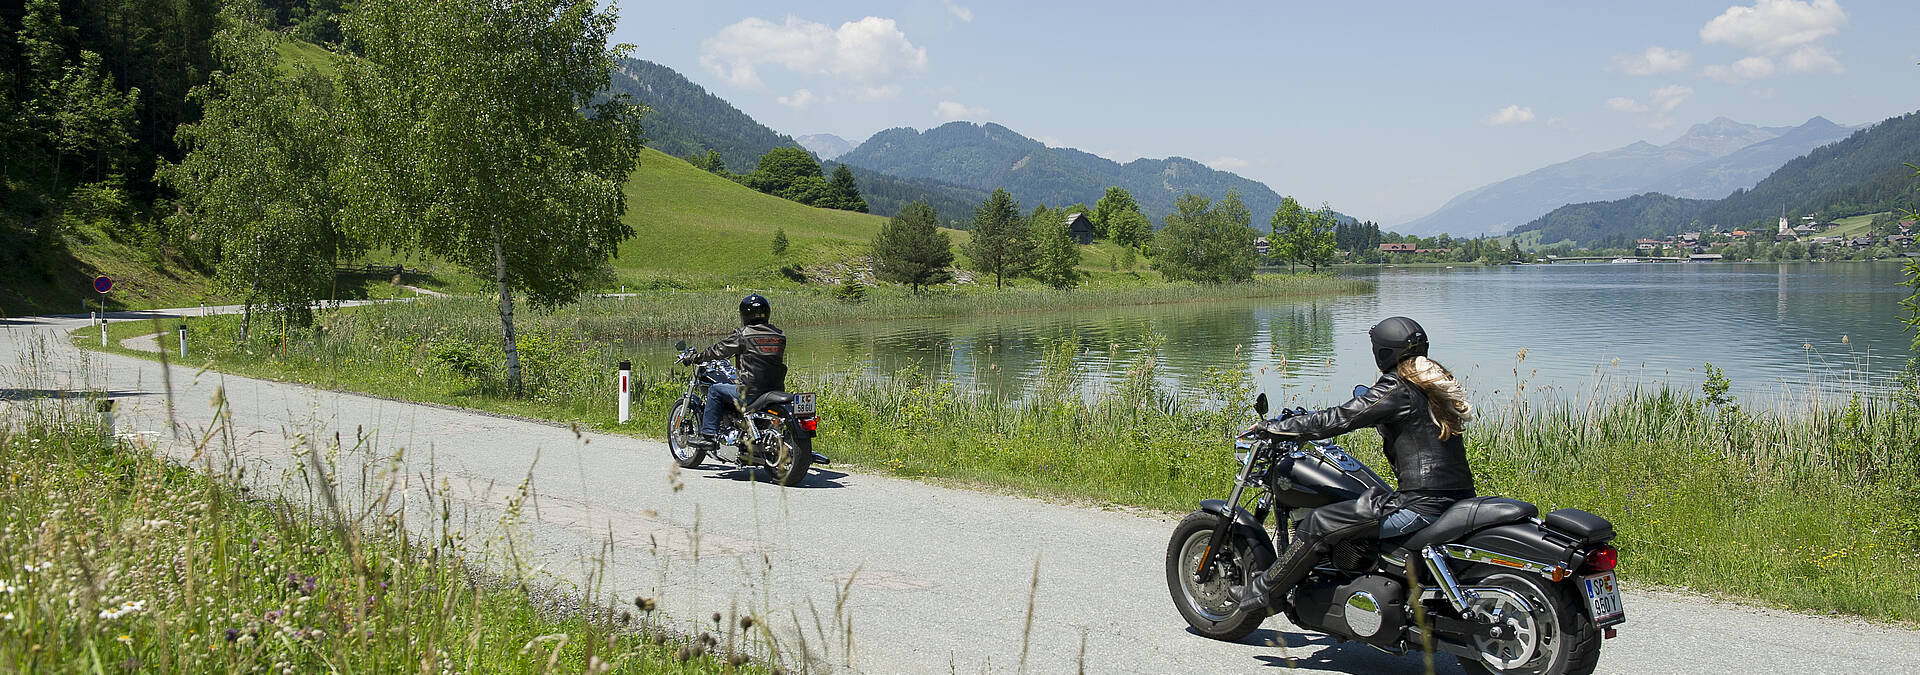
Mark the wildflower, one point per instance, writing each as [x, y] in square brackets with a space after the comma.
[125, 639]
[6, 617]
[7, 587]
[33, 568]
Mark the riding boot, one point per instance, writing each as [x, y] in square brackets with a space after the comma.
[1269, 588]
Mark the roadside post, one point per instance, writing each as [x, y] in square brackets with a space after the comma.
[183, 340]
[626, 396]
[105, 408]
[102, 284]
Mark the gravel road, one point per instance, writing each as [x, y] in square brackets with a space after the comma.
[875, 574]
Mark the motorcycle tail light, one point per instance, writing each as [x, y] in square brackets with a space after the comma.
[810, 424]
[1602, 559]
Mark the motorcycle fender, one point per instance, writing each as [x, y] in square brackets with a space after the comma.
[1241, 516]
[1526, 541]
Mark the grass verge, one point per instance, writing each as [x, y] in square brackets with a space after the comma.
[116, 560]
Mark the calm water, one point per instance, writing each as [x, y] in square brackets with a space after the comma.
[1771, 327]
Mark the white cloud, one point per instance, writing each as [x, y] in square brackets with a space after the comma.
[1813, 59]
[959, 11]
[877, 92]
[799, 99]
[1774, 26]
[950, 110]
[1510, 116]
[1228, 163]
[1624, 104]
[1750, 68]
[1653, 61]
[870, 50]
[1669, 97]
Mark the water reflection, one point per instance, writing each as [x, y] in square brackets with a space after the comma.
[1766, 325]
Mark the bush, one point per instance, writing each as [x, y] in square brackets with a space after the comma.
[464, 358]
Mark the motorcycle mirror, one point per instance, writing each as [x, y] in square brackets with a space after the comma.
[680, 346]
[1260, 404]
[1360, 390]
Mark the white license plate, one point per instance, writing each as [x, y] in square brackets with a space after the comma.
[802, 404]
[1603, 599]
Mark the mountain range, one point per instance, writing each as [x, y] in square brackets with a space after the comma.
[825, 146]
[1709, 161]
[1869, 171]
[987, 156]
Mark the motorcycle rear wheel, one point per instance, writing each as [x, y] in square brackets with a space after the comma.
[1555, 639]
[789, 468]
[1208, 607]
[682, 428]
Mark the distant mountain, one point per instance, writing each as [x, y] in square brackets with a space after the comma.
[988, 156]
[1868, 172]
[1709, 161]
[684, 119]
[1717, 178]
[825, 146]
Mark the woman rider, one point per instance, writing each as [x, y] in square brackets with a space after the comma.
[1420, 411]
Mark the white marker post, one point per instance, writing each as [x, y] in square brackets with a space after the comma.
[626, 396]
[183, 340]
[103, 323]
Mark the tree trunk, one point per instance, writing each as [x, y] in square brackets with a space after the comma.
[506, 314]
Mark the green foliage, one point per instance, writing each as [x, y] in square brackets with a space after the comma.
[1130, 229]
[1114, 202]
[1206, 242]
[789, 173]
[478, 133]
[464, 358]
[912, 250]
[1617, 223]
[1058, 263]
[850, 290]
[843, 192]
[1001, 243]
[779, 242]
[257, 186]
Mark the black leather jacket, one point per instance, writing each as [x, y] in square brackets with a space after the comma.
[1433, 471]
[760, 351]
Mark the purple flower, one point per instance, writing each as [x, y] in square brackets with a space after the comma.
[233, 634]
[274, 616]
[307, 585]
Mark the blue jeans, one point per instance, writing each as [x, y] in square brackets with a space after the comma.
[1403, 521]
[719, 396]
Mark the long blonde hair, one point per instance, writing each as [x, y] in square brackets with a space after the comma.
[1446, 399]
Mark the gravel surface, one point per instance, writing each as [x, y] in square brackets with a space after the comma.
[878, 574]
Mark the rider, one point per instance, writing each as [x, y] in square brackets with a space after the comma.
[758, 349]
[1420, 411]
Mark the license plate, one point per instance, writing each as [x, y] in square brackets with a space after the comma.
[802, 404]
[1603, 599]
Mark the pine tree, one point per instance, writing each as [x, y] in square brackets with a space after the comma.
[779, 242]
[843, 192]
[1001, 244]
[850, 289]
[715, 163]
[912, 250]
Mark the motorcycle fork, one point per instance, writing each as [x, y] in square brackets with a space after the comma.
[1205, 570]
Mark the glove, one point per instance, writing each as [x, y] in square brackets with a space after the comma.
[1274, 428]
[685, 359]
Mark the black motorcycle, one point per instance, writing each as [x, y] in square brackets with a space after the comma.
[773, 432]
[1489, 582]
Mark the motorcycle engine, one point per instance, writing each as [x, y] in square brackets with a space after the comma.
[1356, 555]
[1371, 609]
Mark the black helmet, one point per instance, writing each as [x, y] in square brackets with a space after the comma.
[1395, 340]
[754, 309]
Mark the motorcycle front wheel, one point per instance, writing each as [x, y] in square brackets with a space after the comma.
[682, 427]
[1208, 606]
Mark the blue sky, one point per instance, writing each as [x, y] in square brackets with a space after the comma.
[1384, 110]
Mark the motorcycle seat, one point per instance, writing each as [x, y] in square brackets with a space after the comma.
[769, 400]
[1468, 515]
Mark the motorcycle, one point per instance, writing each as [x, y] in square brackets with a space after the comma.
[774, 432]
[1490, 582]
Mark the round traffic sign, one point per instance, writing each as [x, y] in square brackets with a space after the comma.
[101, 284]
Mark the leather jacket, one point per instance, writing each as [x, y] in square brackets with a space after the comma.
[1431, 471]
[759, 350]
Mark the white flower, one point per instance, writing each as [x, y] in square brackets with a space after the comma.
[6, 617]
[38, 567]
[7, 587]
[125, 608]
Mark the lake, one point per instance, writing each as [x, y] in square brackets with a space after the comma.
[1772, 327]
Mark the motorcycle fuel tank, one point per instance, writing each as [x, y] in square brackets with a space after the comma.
[1313, 481]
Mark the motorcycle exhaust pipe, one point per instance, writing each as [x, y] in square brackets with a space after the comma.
[821, 459]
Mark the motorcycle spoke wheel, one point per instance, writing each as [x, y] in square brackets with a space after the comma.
[682, 428]
[1212, 599]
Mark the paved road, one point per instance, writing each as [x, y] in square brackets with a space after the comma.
[928, 578]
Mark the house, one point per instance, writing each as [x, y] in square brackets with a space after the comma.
[1705, 257]
[1399, 248]
[1806, 229]
[1906, 225]
[1862, 242]
[1080, 227]
[1740, 234]
[1900, 240]
[1433, 250]
[1690, 237]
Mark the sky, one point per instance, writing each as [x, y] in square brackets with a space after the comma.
[1383, 110]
